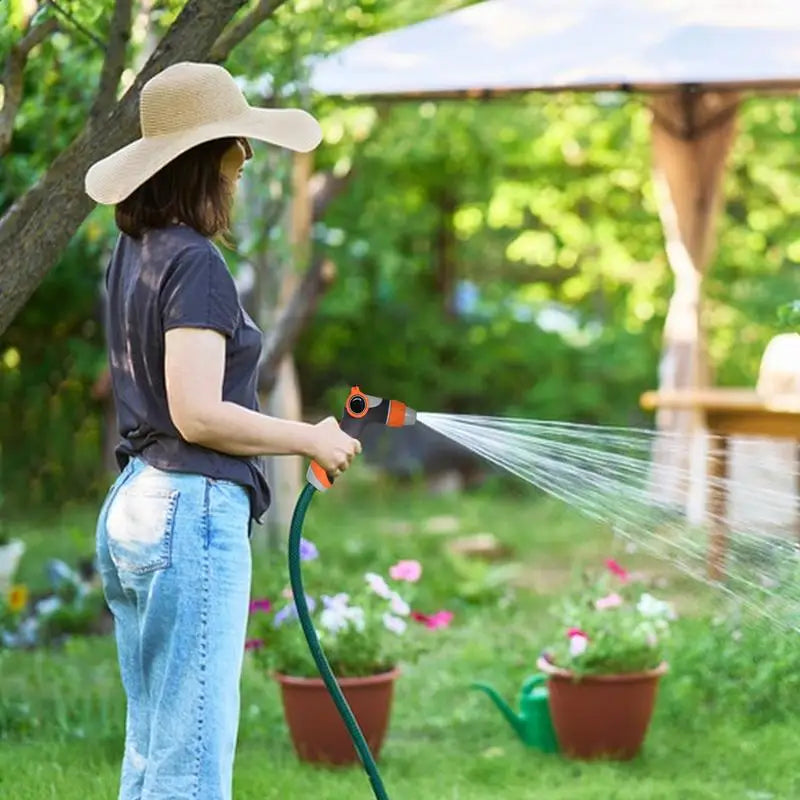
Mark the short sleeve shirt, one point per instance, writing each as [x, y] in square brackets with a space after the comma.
[174, 277]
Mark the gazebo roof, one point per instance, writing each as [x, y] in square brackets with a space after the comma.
[501, 46]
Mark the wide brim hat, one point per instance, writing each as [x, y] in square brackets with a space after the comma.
[185, 105]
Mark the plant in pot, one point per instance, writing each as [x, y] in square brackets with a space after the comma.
[366, 626]
[605, 664]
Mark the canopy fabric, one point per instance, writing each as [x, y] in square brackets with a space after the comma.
[519, 45]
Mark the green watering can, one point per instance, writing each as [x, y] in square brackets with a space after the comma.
[532, 724]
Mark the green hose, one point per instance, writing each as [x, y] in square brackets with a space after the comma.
[296, 578]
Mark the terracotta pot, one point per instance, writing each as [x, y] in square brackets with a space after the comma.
[601, 716]
[317, 731]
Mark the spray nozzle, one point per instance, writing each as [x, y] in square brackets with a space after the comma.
[360, 410]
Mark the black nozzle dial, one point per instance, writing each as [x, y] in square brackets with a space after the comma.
[357, 405]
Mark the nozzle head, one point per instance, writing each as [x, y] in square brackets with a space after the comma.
[362, 409]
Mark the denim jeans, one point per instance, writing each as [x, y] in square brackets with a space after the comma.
[173, 551]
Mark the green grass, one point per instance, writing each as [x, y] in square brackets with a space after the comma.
[723, 727]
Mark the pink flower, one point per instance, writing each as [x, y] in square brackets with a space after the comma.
[578, 645]
[253, 644]
[441, 619]
[260, 605]
[617, 570]
[610, 601]
[578, 641]
[406, 571]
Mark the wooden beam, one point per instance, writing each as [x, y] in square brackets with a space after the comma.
[286, 472]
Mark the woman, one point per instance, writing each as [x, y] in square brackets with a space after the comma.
[173, 533]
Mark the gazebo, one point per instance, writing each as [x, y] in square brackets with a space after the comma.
[693, 61]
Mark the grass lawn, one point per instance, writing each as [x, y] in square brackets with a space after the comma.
[724, 726]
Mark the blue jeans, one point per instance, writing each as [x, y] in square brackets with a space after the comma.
[173, 551]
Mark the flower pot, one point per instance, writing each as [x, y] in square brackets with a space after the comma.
[601, 716]
[10, 555]
[318, 732]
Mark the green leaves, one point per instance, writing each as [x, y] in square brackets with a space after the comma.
[14, 17]
[789, 315]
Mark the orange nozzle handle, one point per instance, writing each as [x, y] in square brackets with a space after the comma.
[397, 414]
[317, 476]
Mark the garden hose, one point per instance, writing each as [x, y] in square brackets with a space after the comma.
[296, 578]
[360, 410]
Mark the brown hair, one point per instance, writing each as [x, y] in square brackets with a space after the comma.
[190, 189]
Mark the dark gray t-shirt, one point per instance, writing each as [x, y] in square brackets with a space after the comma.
[174, 277]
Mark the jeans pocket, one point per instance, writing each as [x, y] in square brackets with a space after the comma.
[139, 527]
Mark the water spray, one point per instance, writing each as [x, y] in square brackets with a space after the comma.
[630, 481]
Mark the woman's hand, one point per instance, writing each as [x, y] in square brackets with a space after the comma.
[331, 447]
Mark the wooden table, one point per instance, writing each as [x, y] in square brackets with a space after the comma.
[729, 412]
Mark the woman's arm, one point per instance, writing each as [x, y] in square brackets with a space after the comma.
[194, 367]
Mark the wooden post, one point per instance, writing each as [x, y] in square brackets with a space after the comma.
[692, 134]
[717, 504]
[286, 472]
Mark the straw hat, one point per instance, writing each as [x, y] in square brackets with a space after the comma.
[184, 105]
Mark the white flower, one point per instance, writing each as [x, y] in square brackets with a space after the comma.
[394, 624]
[333, 620]
[649, 606]
[378, 585]
[338, 615]
[48, 605]
[399, 606]
[578, 645]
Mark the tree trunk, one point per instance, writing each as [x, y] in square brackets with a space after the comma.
[286, 472]
[39, 225]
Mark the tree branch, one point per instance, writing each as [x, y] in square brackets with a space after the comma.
[13, 78]
[39, 225]
[77, 25]
[242, 29]
[35, 36]
[325, 188]
[293, 319]
[114, 62]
